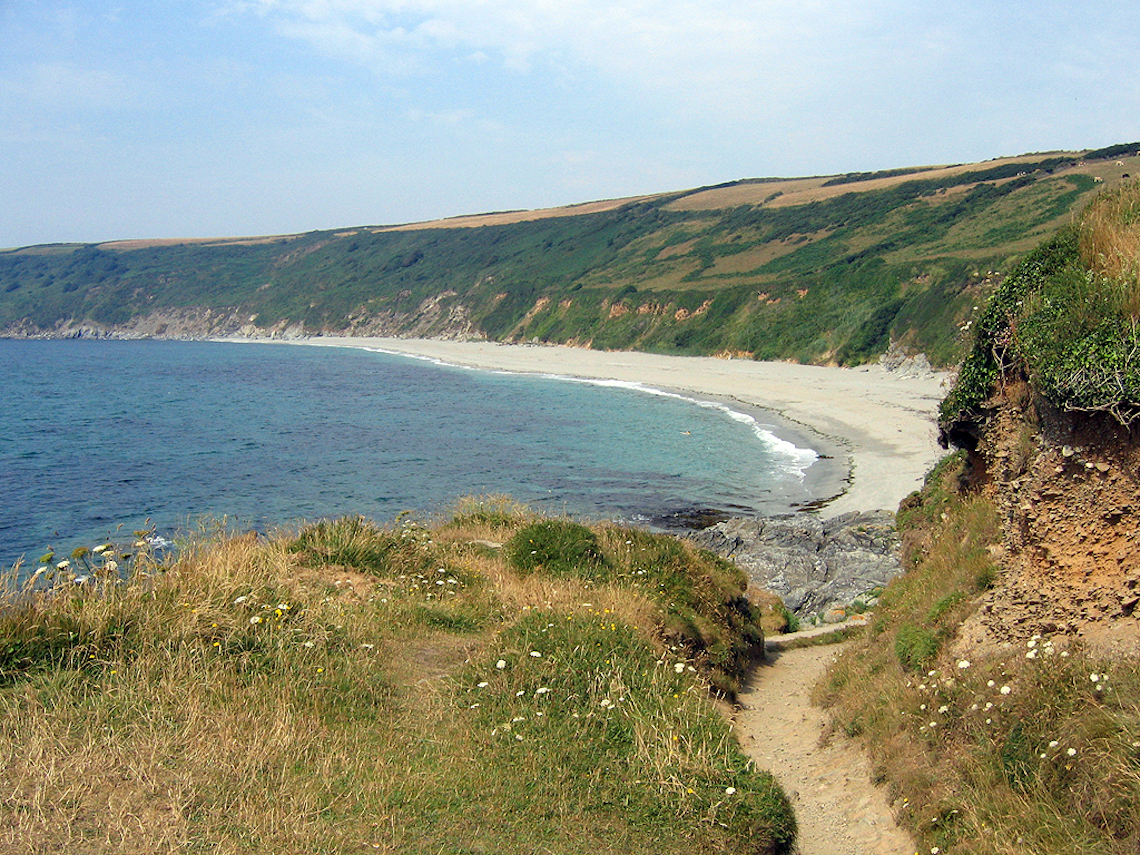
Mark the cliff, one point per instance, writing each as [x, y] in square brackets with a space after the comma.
[996, 685]
[1046, 406]
[1067, 489]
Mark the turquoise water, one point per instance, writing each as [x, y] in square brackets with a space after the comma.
[94, 435]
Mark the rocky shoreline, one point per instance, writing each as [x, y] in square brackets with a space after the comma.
[821, 569]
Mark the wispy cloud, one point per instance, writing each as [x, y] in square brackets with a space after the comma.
[651, 43]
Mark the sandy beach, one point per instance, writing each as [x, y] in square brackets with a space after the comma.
[878, 426]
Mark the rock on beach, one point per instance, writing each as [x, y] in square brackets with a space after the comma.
[813, 565]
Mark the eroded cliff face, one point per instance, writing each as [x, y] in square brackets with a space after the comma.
[439, 316]
[1068, 488]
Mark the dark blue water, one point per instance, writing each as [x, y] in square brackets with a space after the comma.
[94, 435]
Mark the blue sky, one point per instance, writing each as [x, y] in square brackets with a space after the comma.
[243, 117]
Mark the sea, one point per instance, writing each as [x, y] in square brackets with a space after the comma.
[99, 439]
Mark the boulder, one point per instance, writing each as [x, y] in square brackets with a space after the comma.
[813, 565]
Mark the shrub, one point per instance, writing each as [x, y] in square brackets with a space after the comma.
[490, 511]
[363, 546]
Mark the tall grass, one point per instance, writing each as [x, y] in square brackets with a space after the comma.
[352, 687]
[1109, 239]
[1031, 748]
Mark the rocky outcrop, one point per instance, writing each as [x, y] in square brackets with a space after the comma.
[901, 362]
[440, 316]
[814, 565]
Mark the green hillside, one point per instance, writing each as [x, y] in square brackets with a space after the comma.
[814, 270]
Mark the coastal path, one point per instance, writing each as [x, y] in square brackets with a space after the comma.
[826, 775]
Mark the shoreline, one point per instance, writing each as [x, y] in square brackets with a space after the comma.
[874, 430]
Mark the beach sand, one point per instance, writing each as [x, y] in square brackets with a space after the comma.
[878, 426]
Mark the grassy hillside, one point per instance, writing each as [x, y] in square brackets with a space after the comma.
[493, 683]
[818, 269]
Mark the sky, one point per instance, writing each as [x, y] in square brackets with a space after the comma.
[249, 117]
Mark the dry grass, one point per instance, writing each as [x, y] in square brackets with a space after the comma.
[339, 689]
[1109, 239]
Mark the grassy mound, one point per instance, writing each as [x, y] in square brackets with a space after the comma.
[401, 689]
[1033, 749]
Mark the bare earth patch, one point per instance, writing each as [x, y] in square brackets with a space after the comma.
[826, 775]
[1070, 558]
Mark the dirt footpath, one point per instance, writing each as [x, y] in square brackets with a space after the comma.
[838, 809]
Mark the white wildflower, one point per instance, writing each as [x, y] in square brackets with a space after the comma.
[535, 654]
[1005, 690]
[963, 664]
[501, 664]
